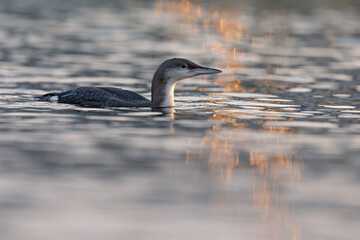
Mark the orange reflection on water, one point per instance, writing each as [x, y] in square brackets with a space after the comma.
[219, 29]
[272, 173]
[274, 166]
[215, 147]
[222, 158]
[272, 161]
[233, 86]
[222, 22]
[183, 10]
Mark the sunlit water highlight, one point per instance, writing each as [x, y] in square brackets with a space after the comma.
[267, 150]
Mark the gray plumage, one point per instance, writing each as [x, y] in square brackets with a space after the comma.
[100, 97]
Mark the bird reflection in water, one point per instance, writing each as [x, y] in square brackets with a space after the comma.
[165, 111]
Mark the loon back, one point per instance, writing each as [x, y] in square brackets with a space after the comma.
[165, 78]
[98, 97]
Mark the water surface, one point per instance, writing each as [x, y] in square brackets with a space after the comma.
[269, 149]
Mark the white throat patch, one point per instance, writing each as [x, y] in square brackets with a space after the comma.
[169, 95]
[173, 77]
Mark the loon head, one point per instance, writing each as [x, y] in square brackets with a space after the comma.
[168, 74]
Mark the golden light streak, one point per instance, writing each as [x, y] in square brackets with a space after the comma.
[273, 166]
[225, 24]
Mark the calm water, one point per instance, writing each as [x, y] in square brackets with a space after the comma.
[267, 150]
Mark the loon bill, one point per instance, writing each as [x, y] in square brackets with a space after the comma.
[168, 74]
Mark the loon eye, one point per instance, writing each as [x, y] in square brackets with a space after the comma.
[183, 66]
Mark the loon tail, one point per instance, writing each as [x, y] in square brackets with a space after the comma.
[49, 97]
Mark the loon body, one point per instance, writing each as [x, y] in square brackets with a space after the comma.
[168, 74]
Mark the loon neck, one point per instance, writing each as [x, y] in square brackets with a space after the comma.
[162, 92]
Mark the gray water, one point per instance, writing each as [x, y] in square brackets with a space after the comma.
[269, 149]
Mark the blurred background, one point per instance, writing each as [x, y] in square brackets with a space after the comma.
[269, 149]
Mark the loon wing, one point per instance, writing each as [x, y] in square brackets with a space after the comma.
[124, 94]
[101, 97]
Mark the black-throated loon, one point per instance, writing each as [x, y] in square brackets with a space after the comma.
[168, 74]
